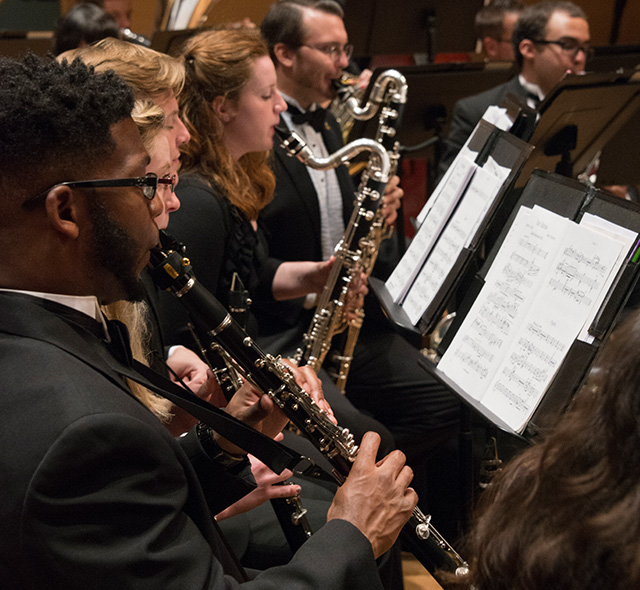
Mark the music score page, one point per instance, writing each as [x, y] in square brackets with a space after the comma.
[549, 277]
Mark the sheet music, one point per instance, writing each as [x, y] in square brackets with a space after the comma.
[443, 204]
[460, 230]
[475, 353]
[626, 238]
[495, 115]
[575, 281]
[542, 286]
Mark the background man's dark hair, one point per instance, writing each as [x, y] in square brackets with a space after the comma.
[84, 23]
[283, 21]
[489, 19]
[55, 122]
[532, 22]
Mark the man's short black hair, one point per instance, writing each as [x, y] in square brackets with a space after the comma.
[532, 22]
[84, 23]
[283, 21]
[489, 19]
[55, 121]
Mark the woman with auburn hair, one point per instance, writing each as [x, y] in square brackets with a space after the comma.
[565, 513]
[230, 105]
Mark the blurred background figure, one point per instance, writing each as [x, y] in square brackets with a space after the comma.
[84, 24]
[494, 29]
[121, 11]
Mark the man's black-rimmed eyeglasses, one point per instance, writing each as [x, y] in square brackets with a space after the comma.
[148, 183]
[569, 46]
[333, 50]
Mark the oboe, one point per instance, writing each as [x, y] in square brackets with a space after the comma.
[172, 271]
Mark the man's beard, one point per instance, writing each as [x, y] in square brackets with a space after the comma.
[114, 250]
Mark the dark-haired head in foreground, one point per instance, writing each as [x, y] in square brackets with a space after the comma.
[61, 123]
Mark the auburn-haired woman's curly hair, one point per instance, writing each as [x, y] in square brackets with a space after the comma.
[565, 514]
[220, 63]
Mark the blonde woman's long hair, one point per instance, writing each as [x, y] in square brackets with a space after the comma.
[150, 121]
[220, 63]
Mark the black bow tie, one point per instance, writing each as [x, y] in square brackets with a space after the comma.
[314, 118]
[533, 99]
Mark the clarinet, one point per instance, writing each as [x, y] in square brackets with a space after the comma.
[290, 512]
[172, 271]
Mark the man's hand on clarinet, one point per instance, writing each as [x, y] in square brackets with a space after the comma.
[376, 497]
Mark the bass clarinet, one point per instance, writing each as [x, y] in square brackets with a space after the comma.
[389, 96]
[330, 317]
[171, 270]
[330, 330]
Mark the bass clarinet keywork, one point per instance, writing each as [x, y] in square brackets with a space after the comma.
[332, 336]
[217, 329]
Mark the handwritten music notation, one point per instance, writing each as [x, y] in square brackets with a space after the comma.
[547, 279]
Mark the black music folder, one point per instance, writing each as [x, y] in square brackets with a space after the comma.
[453, 228]
[546, 299]
[580, 117]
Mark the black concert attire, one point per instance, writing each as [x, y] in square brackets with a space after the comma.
[385, 379]
[98, 494]
[220, 240]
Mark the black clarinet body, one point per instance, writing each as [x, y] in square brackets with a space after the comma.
[217, 329]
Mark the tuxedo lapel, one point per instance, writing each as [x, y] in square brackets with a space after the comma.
[31, 317]
[304, 189]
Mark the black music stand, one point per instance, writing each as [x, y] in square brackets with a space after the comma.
[572, 199]
[580, 117]
[611, 58]
[508, 152]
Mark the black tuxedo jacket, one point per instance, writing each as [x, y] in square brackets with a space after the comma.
[292, 224]
[293, 217]
[97, 494]
[468, 112]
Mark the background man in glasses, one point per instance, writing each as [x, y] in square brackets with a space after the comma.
[550, 39]
[494, 29]
[96, 492]
[306, 220]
